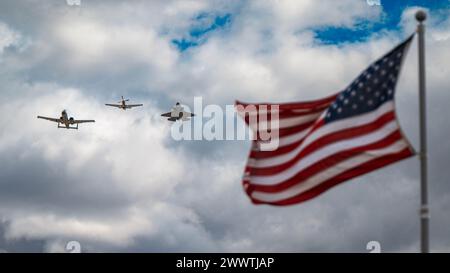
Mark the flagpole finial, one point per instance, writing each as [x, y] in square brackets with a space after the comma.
[421, 15]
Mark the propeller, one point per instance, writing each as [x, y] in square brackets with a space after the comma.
[123, 100]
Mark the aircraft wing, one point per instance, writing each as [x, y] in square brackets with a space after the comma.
[113, 105]
[50, 119]
[83, 121]
[168, 114]
[133, 105]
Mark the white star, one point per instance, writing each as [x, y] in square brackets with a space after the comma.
[361, 97]
[354, 106]
[376, 67]
[390, 91]
[377, 94]
[368, 76]
[383, 72]
[384, 85]
[339, 110]
[346, 101]
[353, 93]
[334, 105]
[360, 85]
[391, 63]
[375, 81]
[370, 102]
[399, 55]
[382, 98]
[368, 89]
[397, 67]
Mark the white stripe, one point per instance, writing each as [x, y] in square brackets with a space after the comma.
[324, 152]
[289, 139]
[283, 123]
[331, 172]
[350, 122]
[286, 140]
[325, 130]
[322, 107]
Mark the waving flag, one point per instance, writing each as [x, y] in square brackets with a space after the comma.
[326, 142]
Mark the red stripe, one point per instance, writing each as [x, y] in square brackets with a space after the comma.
[296, 105]
[326, 163]
[282, 132]
[321, 142]
[279, 151]
[282, 115]
[255, 154]
[352, 173]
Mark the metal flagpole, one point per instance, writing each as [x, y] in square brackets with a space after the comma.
[421, 16]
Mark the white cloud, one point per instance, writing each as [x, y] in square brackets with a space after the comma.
[87, 43]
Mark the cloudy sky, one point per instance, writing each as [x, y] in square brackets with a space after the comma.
[123, 185]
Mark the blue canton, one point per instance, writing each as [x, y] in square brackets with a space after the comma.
[372, 88]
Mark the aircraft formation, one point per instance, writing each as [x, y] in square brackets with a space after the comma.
[64, 121]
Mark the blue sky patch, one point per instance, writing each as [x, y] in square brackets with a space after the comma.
[204, 24]
[362, 30]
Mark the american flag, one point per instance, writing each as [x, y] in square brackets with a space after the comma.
[325, 142]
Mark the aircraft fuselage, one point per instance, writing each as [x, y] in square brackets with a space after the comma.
[64, 119]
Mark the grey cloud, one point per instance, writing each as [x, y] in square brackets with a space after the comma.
[19, 245]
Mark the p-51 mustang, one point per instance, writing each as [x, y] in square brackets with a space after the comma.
[122, 104]
[177, 113]
[66, 121]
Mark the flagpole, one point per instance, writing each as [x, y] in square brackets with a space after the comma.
[421, 16]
